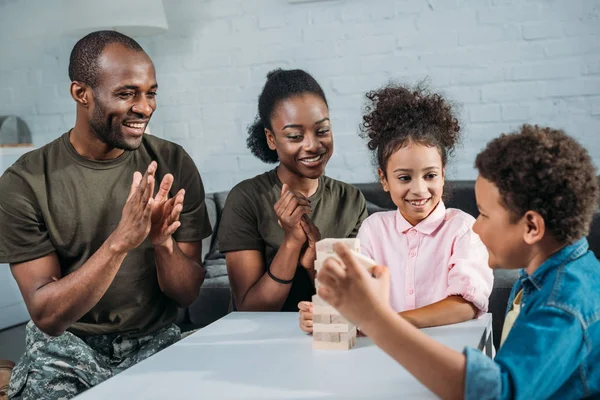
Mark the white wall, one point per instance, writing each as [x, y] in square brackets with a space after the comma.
[507, 62]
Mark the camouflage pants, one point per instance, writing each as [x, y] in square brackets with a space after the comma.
[62, 367]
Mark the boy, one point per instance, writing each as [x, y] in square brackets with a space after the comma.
[537, 192]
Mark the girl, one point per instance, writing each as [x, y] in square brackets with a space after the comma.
[438, 265]
[270, 223]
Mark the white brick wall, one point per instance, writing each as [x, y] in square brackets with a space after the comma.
[507, 62]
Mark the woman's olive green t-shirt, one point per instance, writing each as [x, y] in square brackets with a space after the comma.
[249, 222]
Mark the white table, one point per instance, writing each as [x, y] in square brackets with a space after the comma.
[266, 356]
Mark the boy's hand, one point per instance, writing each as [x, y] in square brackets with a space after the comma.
[357, 293]
[306, 316]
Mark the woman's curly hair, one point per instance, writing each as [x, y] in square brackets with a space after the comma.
[396, 115]
[546, 171]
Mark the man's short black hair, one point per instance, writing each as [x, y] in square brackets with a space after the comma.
[83, 63]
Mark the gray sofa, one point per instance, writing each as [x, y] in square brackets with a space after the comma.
[215, 296]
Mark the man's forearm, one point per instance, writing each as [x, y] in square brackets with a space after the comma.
[179, 277]
[450, 310]
[57, 305]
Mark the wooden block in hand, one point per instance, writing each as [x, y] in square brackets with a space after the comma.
[326, 245]
[363, 260]
[318, 301]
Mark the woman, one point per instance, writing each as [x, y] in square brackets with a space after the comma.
[270, 223]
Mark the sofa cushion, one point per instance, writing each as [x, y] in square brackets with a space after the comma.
[215, 268]
[211, 209]
[219, 199]
[212, 303]
[377, 198]
[461, 195]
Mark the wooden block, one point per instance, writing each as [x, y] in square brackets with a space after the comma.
[326, 245]
[324, 310]
[319, 262]
[362, 260]
[321, 318]
[321, 257]
[320, 345]
[333, 337]
[338, 319]
[318, 301]
[340, 328]
[349, 335]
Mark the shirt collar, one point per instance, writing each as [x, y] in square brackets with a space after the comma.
[428, 225]
[563, 256]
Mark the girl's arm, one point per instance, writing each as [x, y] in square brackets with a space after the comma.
[451, 310]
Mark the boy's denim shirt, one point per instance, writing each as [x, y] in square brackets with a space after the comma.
[553, 349]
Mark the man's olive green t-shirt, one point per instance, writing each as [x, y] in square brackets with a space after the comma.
[249, 222]
[55, 200]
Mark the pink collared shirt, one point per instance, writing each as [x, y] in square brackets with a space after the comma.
[439, 257]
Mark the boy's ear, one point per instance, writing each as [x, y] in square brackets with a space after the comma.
[534, 227]
[383, 180]
[270, 139]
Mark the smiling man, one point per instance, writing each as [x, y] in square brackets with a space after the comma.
[101, 254]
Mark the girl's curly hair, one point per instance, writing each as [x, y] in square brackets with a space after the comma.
[396, 115]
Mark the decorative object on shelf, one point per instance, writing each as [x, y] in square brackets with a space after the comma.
[14, 132]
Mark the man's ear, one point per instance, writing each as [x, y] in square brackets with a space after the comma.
[383, 180]
[81, 93]
[534, 227]
[270, 139]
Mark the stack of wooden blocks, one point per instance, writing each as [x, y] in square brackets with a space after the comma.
[331, 331]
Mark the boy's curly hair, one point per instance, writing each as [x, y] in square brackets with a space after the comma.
[398, 114]
[547, 171]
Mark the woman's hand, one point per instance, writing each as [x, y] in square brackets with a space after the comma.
[309, 255]
[289, 209]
